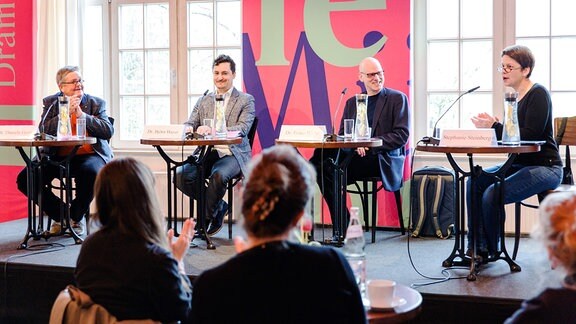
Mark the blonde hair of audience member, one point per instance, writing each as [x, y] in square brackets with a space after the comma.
[126, 199]
[557, 230]
[275, 195]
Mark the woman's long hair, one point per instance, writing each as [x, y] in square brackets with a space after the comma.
[126, 201]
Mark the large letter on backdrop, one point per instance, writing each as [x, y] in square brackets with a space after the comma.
[17, 71]
[325, 41]
[318, 27]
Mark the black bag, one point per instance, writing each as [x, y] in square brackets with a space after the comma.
[567, 178]
[432, 202]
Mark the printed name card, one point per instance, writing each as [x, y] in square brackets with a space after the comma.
[302, 132]
[482, 137]
[163, 132]
[17, 131]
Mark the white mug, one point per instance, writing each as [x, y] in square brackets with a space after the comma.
[381, 293]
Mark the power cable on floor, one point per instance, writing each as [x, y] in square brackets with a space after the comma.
[446, 274]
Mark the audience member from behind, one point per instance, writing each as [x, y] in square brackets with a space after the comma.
[130, 266]
[557, 231]
[273, 280]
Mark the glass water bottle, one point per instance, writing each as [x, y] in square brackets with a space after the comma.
[361, 125]
[511, 132]
[220, 130]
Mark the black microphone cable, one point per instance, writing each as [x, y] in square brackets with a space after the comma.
[446, 274]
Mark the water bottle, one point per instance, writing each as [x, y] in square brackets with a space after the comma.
[511, 132]
[353, 249]
[362, 128]
[220, 130]
[64, 130]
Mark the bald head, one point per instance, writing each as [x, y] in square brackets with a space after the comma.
[372, 75]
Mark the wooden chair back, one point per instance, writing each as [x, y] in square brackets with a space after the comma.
[565, 130]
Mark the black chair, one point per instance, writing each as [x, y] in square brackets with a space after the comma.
[61, 187]
[565, 134]
[234, 181]
[364, 190]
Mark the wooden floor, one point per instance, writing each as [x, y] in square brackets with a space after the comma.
[32, 278]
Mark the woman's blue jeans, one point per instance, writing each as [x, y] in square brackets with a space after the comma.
[521, 182]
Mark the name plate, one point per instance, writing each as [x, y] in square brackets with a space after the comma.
[482, 137]
[302, 132]
[163, 132]
[17, 131]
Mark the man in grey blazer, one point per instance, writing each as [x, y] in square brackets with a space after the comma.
[223, 162]
[89, 159]
[388, 115]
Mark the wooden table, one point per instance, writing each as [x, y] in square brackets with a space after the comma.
[474, 171]
[35, 220]
[204, 146]
[400, 314]
[340, 180]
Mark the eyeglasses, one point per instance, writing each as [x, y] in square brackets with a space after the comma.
[74, 82]
[507, 69]
[372, 75]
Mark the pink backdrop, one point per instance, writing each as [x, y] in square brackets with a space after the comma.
[300, 54]
[17, 86]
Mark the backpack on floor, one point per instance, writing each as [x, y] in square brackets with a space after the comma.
[432, 202]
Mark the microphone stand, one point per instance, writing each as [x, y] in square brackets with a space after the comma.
[41, 135]
[435, 138]
[334, 137]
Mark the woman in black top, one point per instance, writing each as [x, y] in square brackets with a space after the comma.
[273, 280]
[531, 173]
[130, 266]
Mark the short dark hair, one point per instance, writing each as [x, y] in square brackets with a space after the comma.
[223, 58]
[521, 54]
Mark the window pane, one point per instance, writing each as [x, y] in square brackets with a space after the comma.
[443, 18]
[437, 105]
[532, 18]
[158, 72]
[476, 18]
[562, 70]
[540, 50]
[200, 24]
[473, 104]
[200, 71]
[158, 111]
[157, 26]
[563, 16]
[131, 73]
[477, 66]
[132, 117]
[131, 26]
[563, 104]
[228, 29]
[443, 66]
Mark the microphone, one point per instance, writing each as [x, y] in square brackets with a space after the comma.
[192, 135]
[434, 139]
[41, 135]
[334, 136]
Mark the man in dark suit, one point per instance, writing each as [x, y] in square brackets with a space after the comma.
[89, 159]
[388, 116]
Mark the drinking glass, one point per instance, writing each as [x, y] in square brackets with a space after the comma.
[348, 128]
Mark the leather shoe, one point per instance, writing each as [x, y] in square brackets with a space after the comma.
[218, 220]
[197, 227]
